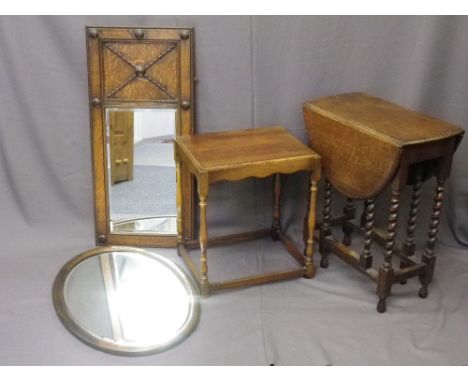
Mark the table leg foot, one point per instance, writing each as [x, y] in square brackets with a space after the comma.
[423, 293]
[274, 235]
[310, 271]
[205, 288]
[324, 261]
[381, 305]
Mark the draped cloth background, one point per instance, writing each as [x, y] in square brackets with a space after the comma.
[253, 71]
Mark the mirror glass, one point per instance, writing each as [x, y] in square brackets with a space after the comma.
[126, 301]
[141, 170]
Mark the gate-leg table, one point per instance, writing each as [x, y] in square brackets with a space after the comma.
[233, 156]
[366, 144]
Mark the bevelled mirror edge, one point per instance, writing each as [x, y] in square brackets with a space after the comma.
[181, 42]
[90, 295]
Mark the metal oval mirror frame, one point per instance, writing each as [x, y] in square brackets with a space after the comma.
[141, 93]
[126, 301]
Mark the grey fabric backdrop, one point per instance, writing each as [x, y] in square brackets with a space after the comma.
[253, 71]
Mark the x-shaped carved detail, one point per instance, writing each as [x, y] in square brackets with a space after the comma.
[141, 71]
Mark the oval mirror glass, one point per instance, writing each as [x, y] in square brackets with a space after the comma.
[126, 301]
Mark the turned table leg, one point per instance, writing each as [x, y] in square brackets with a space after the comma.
[365, 259]
[386, 272]
[179, 202]
[203, 196]
[305, 228]
[429, 256]
[325, 229]
[349, 213]
[309, 263]
[409, 243]
[276, 209]
[362, 221]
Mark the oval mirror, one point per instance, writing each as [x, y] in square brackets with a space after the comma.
[126, 301]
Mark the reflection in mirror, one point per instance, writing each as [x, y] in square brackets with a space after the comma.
[126, 301]
[141, 170]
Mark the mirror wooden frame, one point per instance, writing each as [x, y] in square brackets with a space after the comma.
[180, 45]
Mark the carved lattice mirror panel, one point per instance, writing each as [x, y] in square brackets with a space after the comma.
[141, 97]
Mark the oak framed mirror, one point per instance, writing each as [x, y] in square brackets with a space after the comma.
[141, 95]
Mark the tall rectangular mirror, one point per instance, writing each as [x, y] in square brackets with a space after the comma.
[141, 97]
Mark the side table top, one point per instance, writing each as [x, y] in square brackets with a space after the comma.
[386, 120]
[231, 149]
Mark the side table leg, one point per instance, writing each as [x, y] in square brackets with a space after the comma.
[386, 272]
[429, 256]
[365, 258]
[203, 196]
[277, 209]
[309, 262]
[179, 202]
[349, 213]
[409, 243]
[305, 227]
[325, 229]
[362, 222]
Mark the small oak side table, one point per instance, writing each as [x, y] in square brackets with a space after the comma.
[233, 156]
[366, 144]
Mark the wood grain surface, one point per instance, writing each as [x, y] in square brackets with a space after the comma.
[139, 68]
[236, 155]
